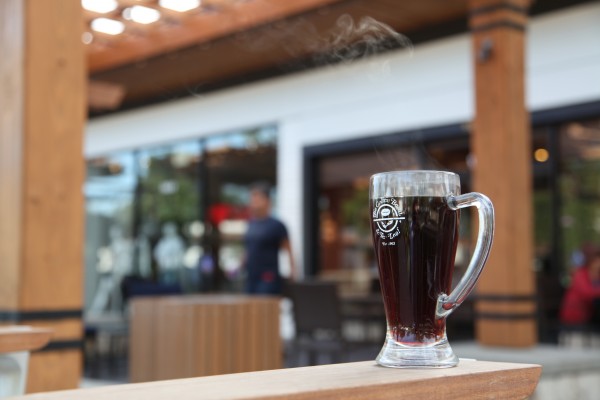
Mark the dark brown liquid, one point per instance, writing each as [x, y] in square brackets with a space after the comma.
[416, 260]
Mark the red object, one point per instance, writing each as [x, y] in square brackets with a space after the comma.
[577, 304]
[218, 212]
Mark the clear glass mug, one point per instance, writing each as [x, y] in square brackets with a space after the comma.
[414, 224]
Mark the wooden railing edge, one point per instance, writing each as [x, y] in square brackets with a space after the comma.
[362, 380]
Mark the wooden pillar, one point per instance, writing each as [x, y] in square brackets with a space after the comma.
[42, 114]
[500, 142]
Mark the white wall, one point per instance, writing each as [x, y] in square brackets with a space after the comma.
[397, 91]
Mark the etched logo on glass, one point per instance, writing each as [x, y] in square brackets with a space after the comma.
[387, 217]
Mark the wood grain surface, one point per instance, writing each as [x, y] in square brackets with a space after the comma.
[11, 144]
[501, 144]
[363, 380]
[186, 336]
[42, 115]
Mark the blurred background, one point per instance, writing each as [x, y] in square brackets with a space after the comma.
[179, 106]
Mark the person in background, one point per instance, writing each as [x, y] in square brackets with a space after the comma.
[578, 302]
[265, 237]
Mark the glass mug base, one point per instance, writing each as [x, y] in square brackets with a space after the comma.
[428, 355]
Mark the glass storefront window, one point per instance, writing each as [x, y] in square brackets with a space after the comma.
[543, 163]
[109, 192]
[169, 214]
[172, 217]
[566, 174]
[579, 190]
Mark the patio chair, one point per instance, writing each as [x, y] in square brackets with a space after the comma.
[318, 320]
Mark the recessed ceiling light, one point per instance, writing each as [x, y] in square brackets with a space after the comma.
[108, 26]
[180, 5]
[141, 14]
[100, 6]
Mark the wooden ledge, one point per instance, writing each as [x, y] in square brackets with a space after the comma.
[363, 380]
[23, 338]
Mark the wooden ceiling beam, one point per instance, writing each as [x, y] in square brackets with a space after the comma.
[196, 28]
[234, 47]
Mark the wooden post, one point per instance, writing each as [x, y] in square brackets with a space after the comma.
[500, 142]
[42, 114]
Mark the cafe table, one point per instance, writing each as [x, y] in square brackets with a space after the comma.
[363, 380]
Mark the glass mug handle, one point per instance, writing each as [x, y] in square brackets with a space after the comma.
[447, 303]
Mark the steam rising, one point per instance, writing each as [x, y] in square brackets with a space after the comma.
[347, 40]
[413, 154]
[351, 41]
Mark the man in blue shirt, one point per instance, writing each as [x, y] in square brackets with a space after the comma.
[265, 237]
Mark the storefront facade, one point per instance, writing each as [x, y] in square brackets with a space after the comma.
[403, 109]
